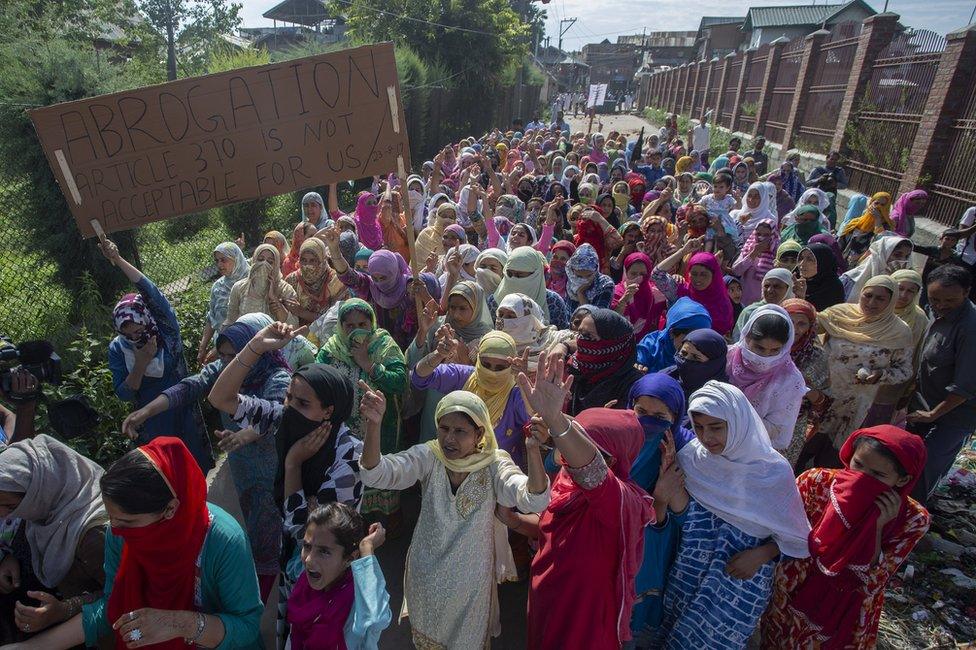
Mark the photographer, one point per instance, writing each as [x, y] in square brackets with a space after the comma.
[18, 424]
[146, 358]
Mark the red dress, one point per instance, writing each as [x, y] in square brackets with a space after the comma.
[591, 544]
[785, 628]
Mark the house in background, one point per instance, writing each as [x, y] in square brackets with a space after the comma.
[300, 21]
[765, 24]
[613, 64]
[717, 36]
[662, 48]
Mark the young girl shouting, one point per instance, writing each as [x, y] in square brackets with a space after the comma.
[340, 599]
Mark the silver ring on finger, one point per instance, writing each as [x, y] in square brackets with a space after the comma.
[135, 634]
[26, 627]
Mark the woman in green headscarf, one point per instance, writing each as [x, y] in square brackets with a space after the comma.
[806, 226]
[788, 254]
[364, 352]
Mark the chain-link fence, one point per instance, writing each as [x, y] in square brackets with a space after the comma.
[40, 300]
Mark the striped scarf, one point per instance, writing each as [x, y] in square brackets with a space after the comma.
[597, 360]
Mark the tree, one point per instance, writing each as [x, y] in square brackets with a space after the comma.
[472, 40]
[192, 27]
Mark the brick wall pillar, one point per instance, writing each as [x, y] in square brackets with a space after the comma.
[808, 64]
[695, 95]
[722, 85]
[946, 103]
[875, 36]
[765, 100]
[741, 88]
[710, 78]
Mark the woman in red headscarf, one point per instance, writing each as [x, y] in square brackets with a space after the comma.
[591, 537]
[638, 187]
[864, 526]
[592, 228]
[178, 570]
[637, 298]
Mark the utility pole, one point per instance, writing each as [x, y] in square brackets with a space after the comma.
[571, 21]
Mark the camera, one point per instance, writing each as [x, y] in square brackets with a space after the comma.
[36, 357]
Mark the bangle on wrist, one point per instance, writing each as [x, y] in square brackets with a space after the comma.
[201, 625]
[560, 435]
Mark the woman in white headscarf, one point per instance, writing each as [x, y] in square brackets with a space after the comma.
[55, 491]
[815, 197]
[743, 512]
[777, 286]
[886, 255]
[756, 208]
[232, 266]
[521, 318]
[263, 290]
[489, 267]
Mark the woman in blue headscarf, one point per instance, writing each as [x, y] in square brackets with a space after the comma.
[656, 351]
[659, 403]
[856, 207]
[253, 459]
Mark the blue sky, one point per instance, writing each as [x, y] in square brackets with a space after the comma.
[601, 19]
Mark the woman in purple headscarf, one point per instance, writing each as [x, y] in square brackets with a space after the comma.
[388, 287]
[368, 227]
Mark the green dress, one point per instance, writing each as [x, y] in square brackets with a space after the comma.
[389, 376]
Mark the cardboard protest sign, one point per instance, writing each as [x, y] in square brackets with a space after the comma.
[597, 95]
[153, 153]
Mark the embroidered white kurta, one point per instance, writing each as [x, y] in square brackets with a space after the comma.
[450, 581]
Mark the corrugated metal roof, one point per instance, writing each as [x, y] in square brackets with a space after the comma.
[796, 15]
[708, 21]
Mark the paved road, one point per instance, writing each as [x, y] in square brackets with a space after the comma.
[626, 124]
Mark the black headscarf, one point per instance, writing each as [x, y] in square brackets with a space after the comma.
[611, 361]
[825, 288]
[333, 389]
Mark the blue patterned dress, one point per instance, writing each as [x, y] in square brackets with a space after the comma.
[704, 607]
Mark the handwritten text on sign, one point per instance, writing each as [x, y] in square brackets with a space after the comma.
[148, 154]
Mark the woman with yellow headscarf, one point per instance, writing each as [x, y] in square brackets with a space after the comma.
[459, 551]
[890, 401]
[867, 346]
[490, 378]
[876, 217]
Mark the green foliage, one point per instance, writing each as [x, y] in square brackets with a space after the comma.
[749, 108]
[192, 30]
[34, 73]
[495, 36]
[87, 374]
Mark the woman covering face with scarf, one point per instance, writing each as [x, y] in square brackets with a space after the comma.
[521, 318]
[489, 266]
[659, 404]
[316, 285]
[865, 525]
[524, 273]
[636, 297]
[263, 290]
[556, 278]
[585, 284]
[603, 362]
[146, 358]
[701, 357]
[429, 241]
[757, 258]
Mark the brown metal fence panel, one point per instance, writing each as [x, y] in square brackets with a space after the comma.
[711, 98]
[784, 89]
[826, 93]
[731, 88]
[954, 188]
[886, 121]
[749, 104]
